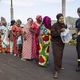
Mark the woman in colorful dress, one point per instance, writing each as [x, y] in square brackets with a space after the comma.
[35, 32]
[19, 39]
[10, 35]
[0, 37]
[27, 41]
[4, 36]
[14, 39]
[44, 41]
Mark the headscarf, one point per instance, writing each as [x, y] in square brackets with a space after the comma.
[3, 21]
[59, 23]
[18, 22]
[12, 22]
[39, 18]
[58, 16]
[47, 22]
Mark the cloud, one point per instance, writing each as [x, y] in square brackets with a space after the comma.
[25, 3]
[70, 0]
[30, 3]
[30, 8]
[55, 1]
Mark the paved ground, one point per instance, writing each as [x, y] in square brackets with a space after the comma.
[12, 68]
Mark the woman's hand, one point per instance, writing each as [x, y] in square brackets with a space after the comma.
[79, 33]
[25, 38]
[63, 29]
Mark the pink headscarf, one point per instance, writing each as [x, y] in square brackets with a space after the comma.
[38, 17]
[47, 22]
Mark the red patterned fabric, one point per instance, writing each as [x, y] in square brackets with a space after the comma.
[46, 38]
[35, 43]
[27, 44]
[14, 32]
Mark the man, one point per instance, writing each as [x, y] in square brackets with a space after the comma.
[78, 39]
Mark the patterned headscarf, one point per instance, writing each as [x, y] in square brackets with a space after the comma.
[39, 18]
[47, 22]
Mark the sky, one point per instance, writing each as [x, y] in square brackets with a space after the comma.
[24, 9]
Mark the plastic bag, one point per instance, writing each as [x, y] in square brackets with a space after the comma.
[66, 36]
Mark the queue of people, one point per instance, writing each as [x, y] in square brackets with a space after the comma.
[32, 41]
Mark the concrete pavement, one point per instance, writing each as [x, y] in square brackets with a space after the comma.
[12, 68]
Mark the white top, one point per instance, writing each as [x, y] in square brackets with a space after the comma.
[19, 41]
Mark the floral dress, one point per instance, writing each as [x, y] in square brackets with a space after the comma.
[44, 42]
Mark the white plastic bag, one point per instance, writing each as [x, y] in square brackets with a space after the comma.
[66, 36]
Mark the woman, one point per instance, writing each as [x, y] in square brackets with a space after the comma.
[27, 41]
[4, 36]
[10, 35]
[35, 32]
[57, 44]
[44, 41]
[14, 30]
[19, 39]
[0, 37]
